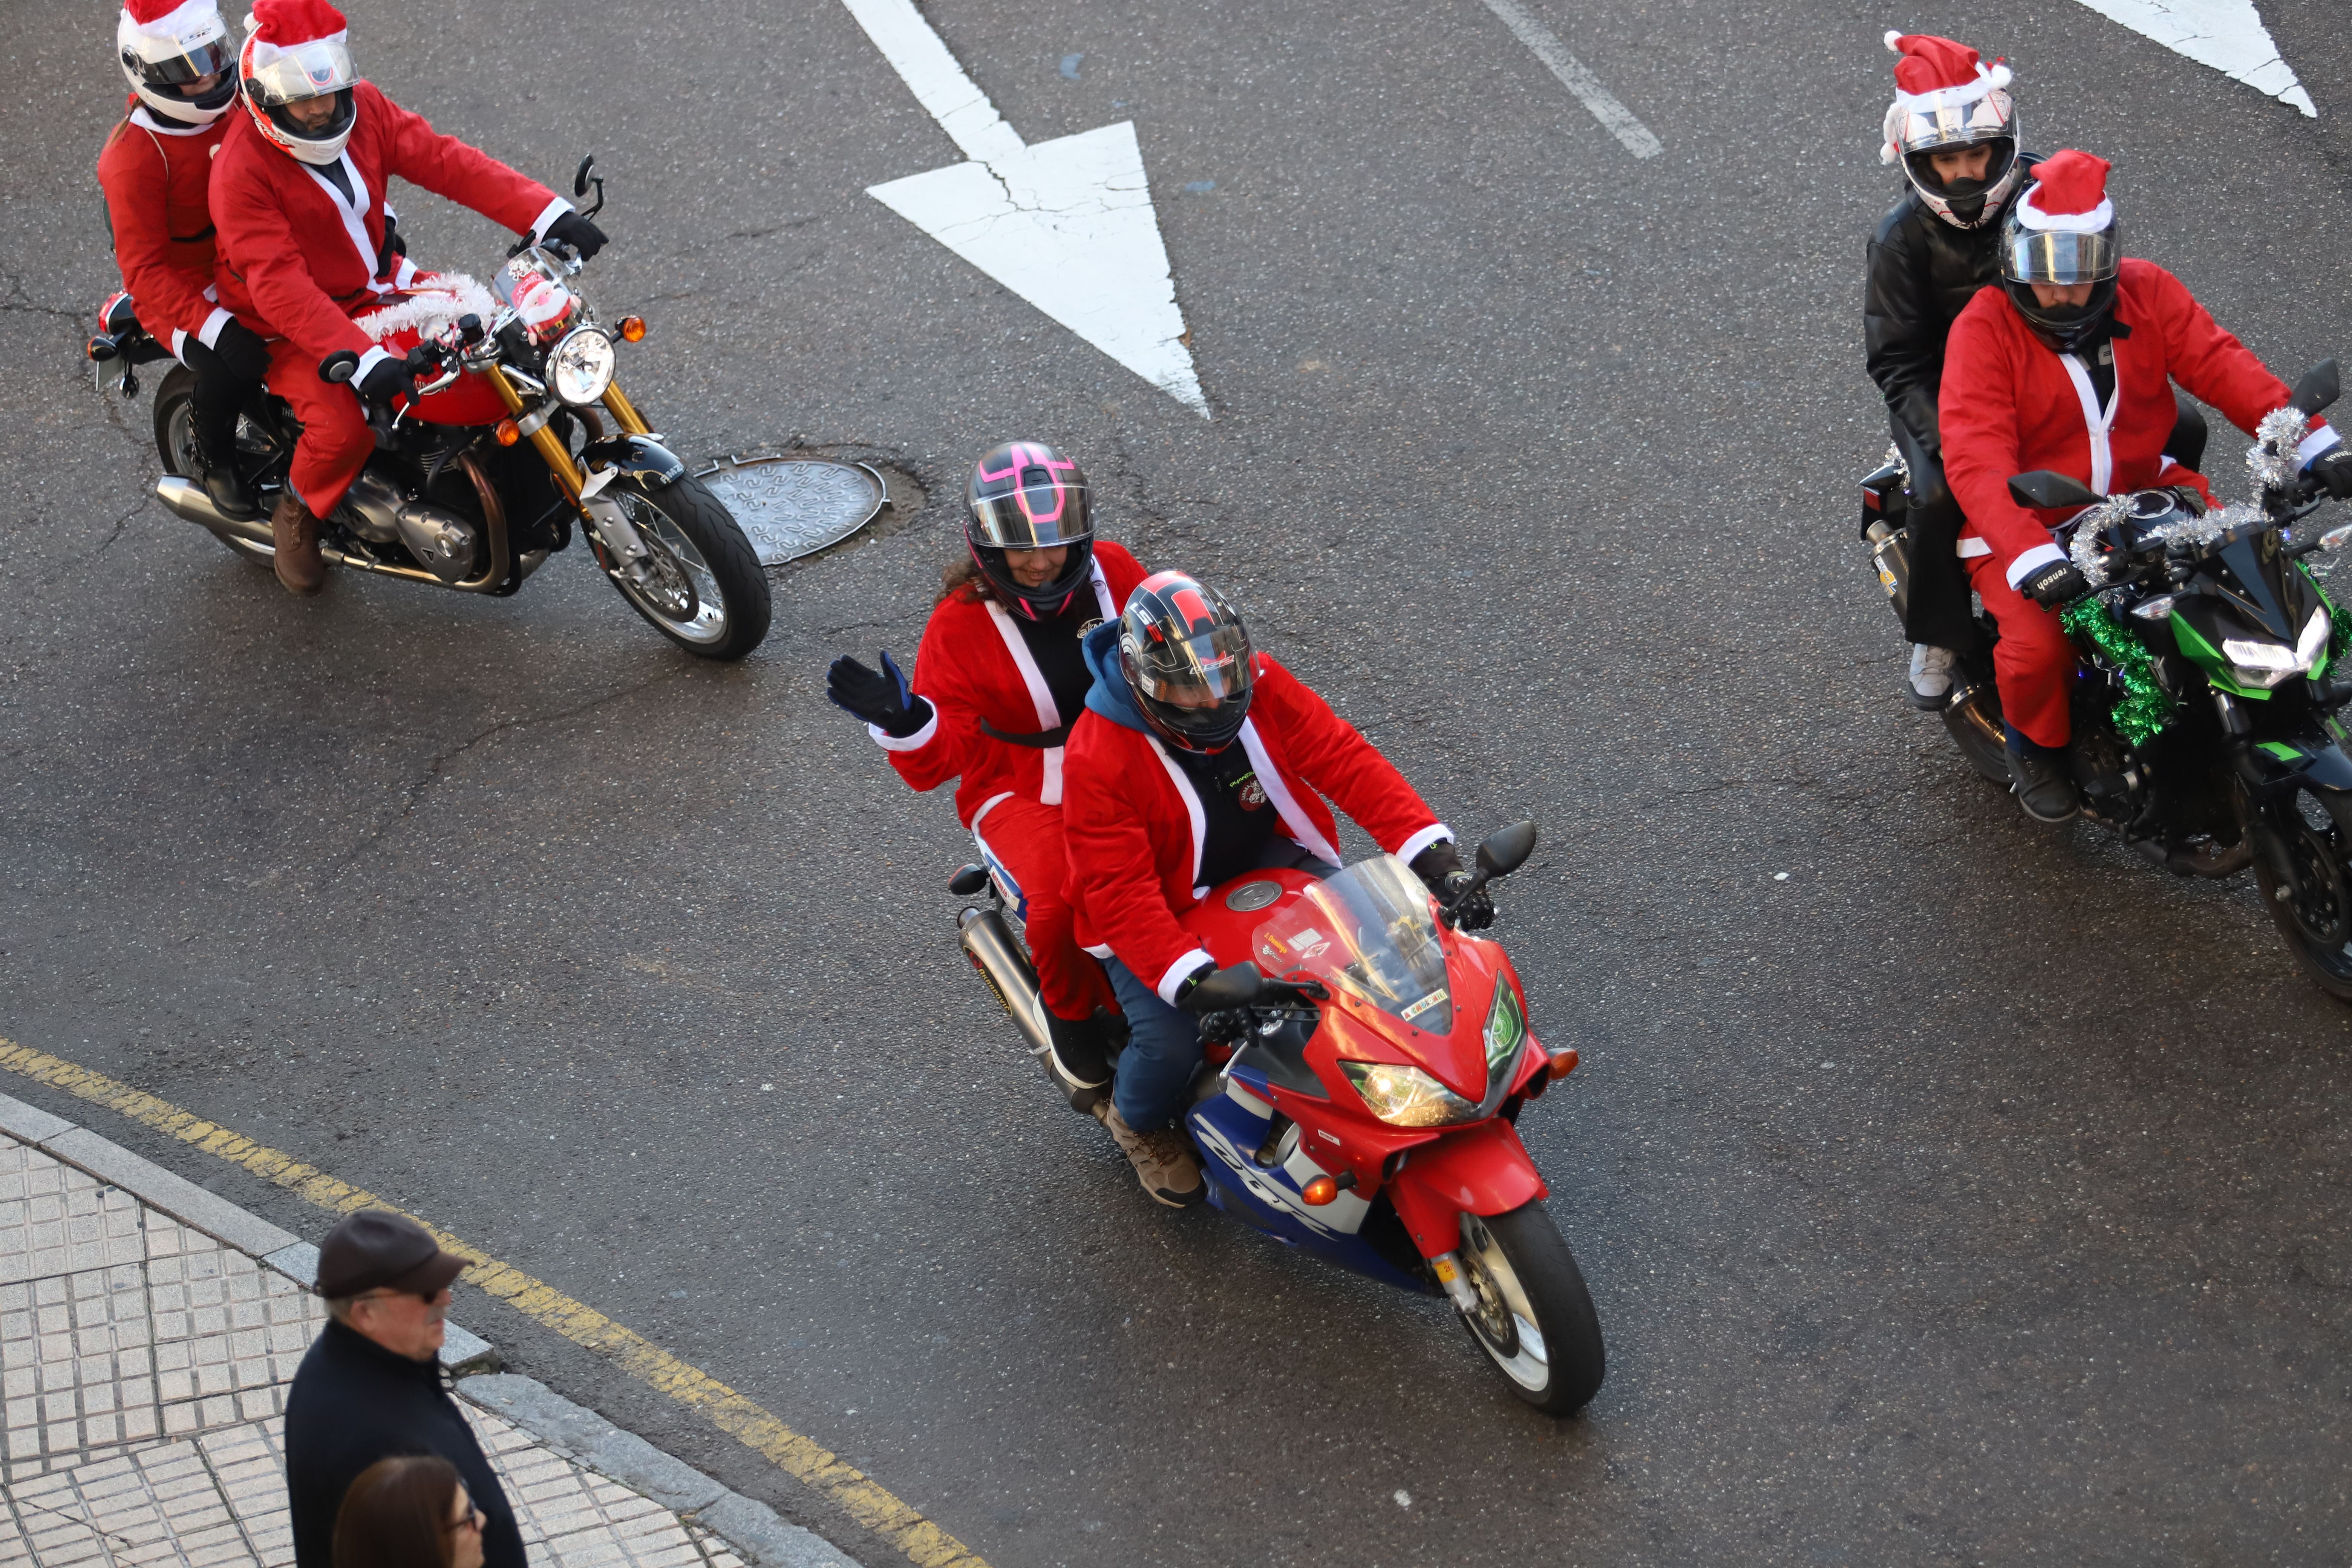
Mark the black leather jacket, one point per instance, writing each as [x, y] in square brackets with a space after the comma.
[1923, 273]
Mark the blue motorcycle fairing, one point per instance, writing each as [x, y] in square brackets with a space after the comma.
[1228, 1128]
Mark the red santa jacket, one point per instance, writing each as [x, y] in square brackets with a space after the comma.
[299, 258]
[156, 178]
[2010, 405]
[1136, 828]
[974, 666]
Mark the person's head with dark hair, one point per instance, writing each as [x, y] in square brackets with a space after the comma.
[408, 1512]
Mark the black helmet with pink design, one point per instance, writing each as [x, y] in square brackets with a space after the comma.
[1025, 496]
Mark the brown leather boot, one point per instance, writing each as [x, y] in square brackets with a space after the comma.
[294, 536]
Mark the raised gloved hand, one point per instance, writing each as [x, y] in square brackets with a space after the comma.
[2054, 584]
[1440, 868]
[2333, 470]
[882, 698]
[390, 378]
[577, 232]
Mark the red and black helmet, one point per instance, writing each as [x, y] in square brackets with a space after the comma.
[1024, 495]
[1186, 657]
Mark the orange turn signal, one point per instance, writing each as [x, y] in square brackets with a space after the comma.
[633, 329]
[508, 432]
[1564, 1063]
[1320, 1191]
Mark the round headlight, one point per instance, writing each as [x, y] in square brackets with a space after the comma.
[581, 368]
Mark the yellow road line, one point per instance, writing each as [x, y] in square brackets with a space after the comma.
[862, 1498]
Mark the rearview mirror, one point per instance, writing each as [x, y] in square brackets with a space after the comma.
[2044, 489]
[1236, 986]
[968, 881]
[1507, 849]
[580, 177]
[2320, 387]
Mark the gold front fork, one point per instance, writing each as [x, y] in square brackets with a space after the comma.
[625, 411]
[551, 446]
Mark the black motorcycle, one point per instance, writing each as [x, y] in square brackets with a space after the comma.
[2208, 728]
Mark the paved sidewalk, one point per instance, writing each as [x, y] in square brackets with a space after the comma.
[143, 1369]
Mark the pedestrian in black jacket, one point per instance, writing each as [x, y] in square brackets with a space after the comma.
[371, 1387]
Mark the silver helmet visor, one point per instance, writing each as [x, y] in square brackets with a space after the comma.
[1199, 671]
[1035, 517]
[198, 61]
[311, 71]
[2042, 256]
[1988, 119]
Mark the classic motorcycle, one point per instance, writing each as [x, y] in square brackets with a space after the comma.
[477, 480]
[1367, 1066]
[2207, 718]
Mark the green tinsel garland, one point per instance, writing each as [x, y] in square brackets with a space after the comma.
[2145, 707]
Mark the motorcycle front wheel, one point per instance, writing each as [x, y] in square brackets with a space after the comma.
[2311, 836]
[704, 590]
[1535, 1320]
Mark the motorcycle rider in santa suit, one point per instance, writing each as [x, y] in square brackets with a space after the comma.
[1198, 758]
[308, 243]
[2068, 367]
[1953, 130]
[156, 172]
[997, 680]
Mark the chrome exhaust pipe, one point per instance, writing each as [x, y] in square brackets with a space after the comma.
[1001, 963]
[186, 499]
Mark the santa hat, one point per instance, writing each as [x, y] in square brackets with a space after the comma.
[1935, 73]
[169, 21]
[2069, 196]
[280, 26]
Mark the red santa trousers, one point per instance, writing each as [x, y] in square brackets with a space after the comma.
[336, 439]
[1025, 838]
[2032, 663]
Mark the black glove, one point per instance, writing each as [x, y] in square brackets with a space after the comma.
[2054, 584]
[1439, 867]
[1224, 1026]
[390, 378]
[2333, 470]
[882, 699]
[577, 232]
[241, 354]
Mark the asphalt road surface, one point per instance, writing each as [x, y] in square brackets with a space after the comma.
[1952, 1190]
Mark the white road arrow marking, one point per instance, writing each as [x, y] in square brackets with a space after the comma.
[1631, 135]
[2227, 35]
[1067, 224]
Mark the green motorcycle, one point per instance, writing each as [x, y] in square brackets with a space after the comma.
[2208, 727]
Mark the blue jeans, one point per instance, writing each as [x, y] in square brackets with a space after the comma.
[1163, 1047]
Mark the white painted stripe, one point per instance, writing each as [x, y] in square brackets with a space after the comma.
[932, 74]
[2227, 35]
[1636, 137]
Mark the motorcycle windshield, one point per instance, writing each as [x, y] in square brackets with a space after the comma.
[1371, 931]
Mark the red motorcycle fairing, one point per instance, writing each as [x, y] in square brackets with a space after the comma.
[1482, 1170]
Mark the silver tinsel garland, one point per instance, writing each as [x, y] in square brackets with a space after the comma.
[2273, 461]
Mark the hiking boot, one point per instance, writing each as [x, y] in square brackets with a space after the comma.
[1163, 1161]
[1078, 1059]
[294, 544]
[1930, 686]
[2042, 785]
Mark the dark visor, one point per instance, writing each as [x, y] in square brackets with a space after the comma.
[203, 61]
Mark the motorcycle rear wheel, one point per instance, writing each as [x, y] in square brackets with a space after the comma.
[707, 593]
[176, 443]
[1536, 1320]
[2316, 915]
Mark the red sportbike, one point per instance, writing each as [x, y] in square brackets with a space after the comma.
[1368, 1064]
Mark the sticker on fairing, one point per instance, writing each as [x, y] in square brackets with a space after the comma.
[1423, 1005]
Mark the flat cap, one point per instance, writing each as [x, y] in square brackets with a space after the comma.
[376, 1249]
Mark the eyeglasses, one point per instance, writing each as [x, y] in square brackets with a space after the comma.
[475, 1520]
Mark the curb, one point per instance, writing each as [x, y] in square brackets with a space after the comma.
[760, 1536]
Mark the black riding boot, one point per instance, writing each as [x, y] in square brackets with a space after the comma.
[1081, 1058]
[213, 409]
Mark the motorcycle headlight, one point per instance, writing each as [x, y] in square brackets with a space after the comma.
[1406, 1097]
[2266, 664]
[581, 368]
[1505, 1031]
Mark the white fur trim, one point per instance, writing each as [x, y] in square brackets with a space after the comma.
[209, 333]
[914, 742]
[1989, 81]
[183, 23]
[555, 209]
[1972, 546]
[1302, 829]
[991, 804]
[1192, 807]
[351, 212]
[1180, 971]
[2040, 555]
[1436, 832]
[261, 52]
[148, 123]
[1041, 698]
[2102, 216]
[1102, 589]
[439, 299]
[2096, 421]
[1100, 950]
[2322, 440]
[368, 362]
[180, 346]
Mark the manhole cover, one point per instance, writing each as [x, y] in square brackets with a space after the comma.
[791, 507]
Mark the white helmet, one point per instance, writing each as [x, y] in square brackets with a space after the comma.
[295, 50]
[1946, 100]
[167, 47]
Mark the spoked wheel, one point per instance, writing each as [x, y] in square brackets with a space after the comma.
[2300, 848]
[704, 591]
[1535, 1320]
[176, 443]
